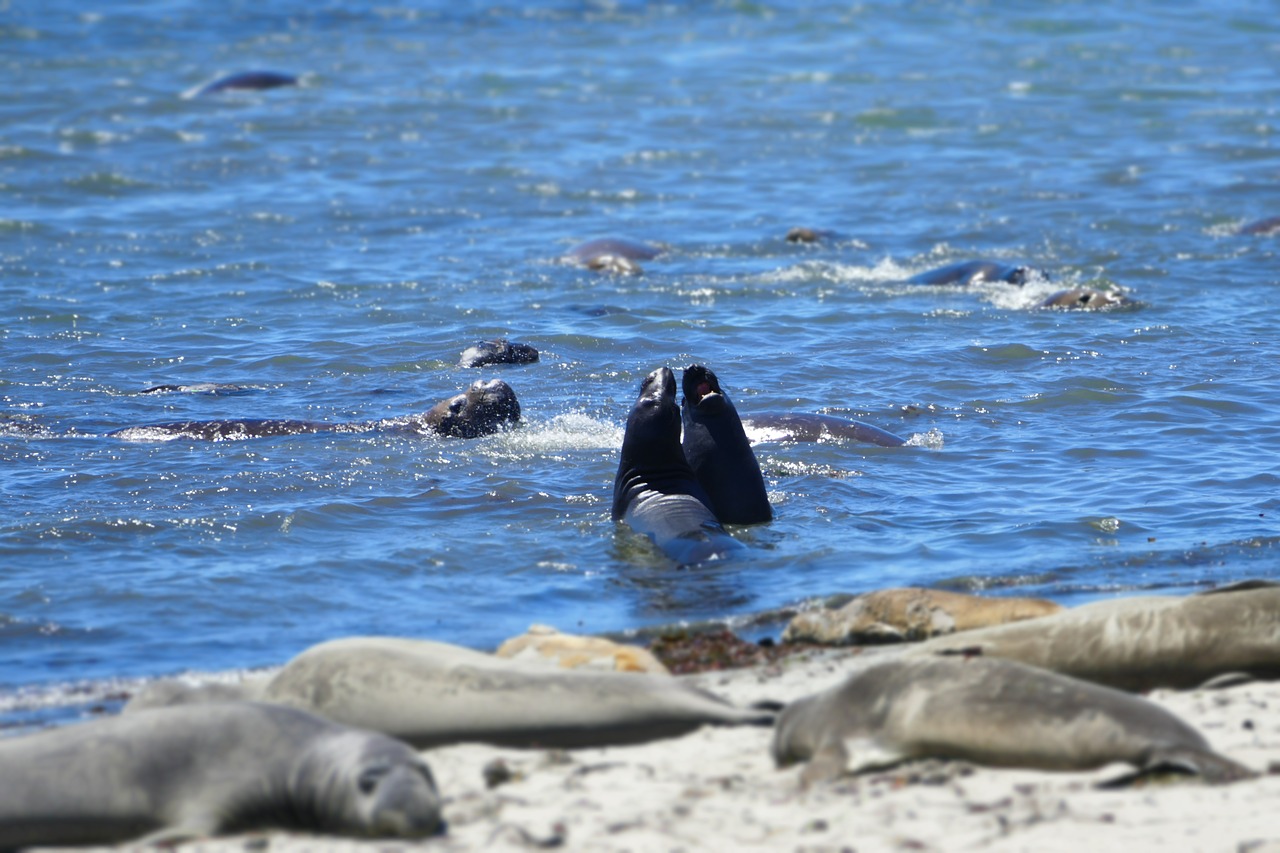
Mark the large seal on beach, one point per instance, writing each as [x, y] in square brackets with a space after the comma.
[973, 272]
[431, 694]
[655, 491]
[1143, 642]
[483, 409]
[716, 448]
[993, 712]
[195, 771]
[803, 426]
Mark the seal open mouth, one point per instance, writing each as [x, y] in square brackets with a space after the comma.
[699, 383]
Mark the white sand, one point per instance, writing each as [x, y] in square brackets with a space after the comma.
[717, 789]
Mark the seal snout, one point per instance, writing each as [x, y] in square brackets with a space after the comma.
[403, 801]
[698, 384]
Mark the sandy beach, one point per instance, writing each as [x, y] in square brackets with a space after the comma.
[717, 789]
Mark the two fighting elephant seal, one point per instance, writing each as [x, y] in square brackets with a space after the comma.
[716, 447]
[655, 491]
[201, 770]
[483, 409]
[994, 712]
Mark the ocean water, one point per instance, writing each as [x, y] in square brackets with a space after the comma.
[332, 248]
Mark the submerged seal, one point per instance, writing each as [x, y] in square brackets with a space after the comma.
[655, 491]
[483, 409]
[972, 272]
[501, 351]
[255, 81]
[1084, 299]
[222, 389]
[431, 694]
[612, 254]
[1144, 642]
[201, 770]
[716, 448]
[993, 712]
[1262, 227]
[814, 427]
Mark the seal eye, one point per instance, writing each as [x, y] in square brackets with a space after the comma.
[368, 781]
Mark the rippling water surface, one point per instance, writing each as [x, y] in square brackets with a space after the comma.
[332, 247]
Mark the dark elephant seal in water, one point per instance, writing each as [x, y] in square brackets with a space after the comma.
[483, 409]
[194, 771]
[809, 235]
[1143, 642]
[612, 254]
[815, 427]
[221, 389]
[501, 351]
[1262, 227]
[716, 448]
[972, 272]
[1084, 299]
[253, 81]
[655, 491]
[431, 694]
[993, 712]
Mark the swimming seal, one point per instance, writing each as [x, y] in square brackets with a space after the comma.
[221, 389]
[430, 694]
[716, 448]
[1084, 299]
[815, 427]
[1262, 227]
[612, 254]
[655, 491]
[972, 272]
[255, 81]
[993, 712]
[200, 770]
[1143, 642]
[483, 409]
[501, 351]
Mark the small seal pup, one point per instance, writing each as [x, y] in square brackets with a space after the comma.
[501, 351]
[172, 774]
[972, 272]
[716, 448]
[655, 491]
[993, 712]
[483, 409]
[432, 694]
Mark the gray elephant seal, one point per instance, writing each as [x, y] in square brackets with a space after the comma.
[1262, 227]
[972, 272]
[993, 712]
[655, 491]
[1084, 299]
[431, 694]
[612, 254]
[483, 409]
[177, 773]
[254, 81]
[1144, 642]
[815, 427]
[501, 351]
[716, 448]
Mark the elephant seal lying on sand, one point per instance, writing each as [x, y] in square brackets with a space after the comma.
[994, 712]
[483, 409]
[430, 694]
[716, 448]
[1144, 642]
[655, 491]
[200, 770]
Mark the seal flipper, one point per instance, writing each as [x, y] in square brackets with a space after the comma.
[1208, 765]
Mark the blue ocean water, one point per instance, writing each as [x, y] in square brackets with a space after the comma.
[332, 247]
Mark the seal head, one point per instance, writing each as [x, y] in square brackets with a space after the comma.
[482, 409]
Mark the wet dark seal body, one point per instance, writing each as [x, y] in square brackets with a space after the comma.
[972, 272]
[994, 712]
[252, 81]
[815, 427]
[195, 771]
[501, 351]
[655, 491]
[1084, 299]
[716, 448]
[483, 409]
